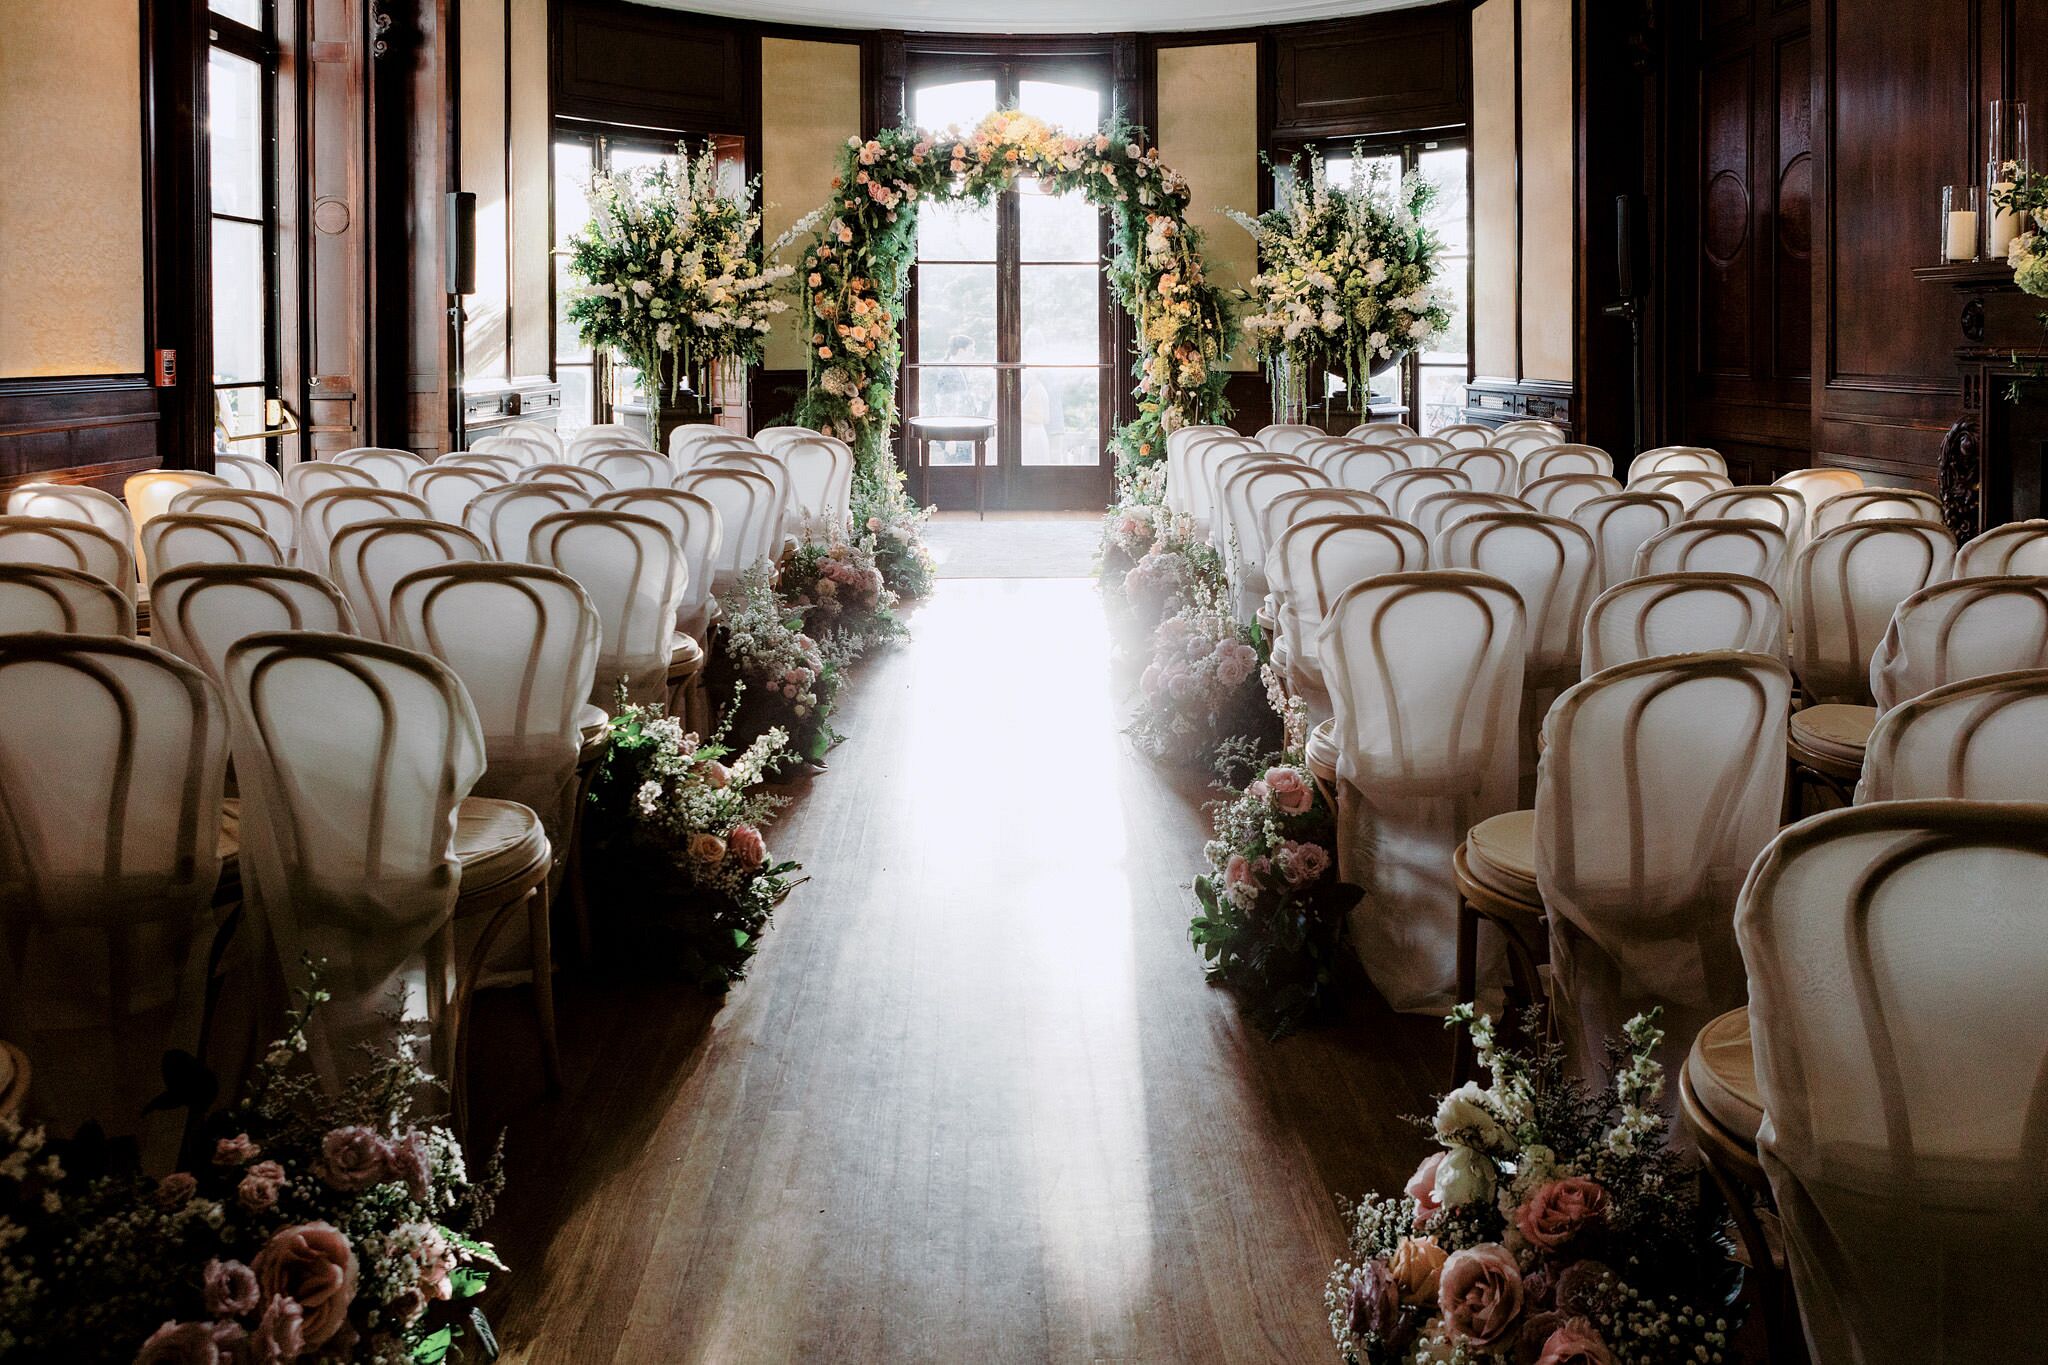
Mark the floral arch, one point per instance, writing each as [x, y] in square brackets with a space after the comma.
[856, 272]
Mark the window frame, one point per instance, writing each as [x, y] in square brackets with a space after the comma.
[264, 48]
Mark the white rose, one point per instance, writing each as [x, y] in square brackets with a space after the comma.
[1465, 1115]
[1464, 1176]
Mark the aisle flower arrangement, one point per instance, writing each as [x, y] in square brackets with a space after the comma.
[838, 585]
[890, 527]
[768, 672]
[1153, 565]
[1347, 278]
[678, 835]
[1555, 1227]
[339, 1229]
[671, 270]
[1202, 688]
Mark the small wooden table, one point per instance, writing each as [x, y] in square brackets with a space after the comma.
[974, 431]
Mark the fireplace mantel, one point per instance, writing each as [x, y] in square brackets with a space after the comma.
[1991, 459]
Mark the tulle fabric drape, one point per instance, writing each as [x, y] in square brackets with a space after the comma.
[633, 571]
[1981, 739]
[1843, 589]
[1682, 613]
[1315, 560]
[1960, 628]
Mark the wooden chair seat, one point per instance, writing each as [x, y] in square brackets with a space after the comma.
[1835, 732]
[497, 843]
[1500, 853]
[1508, 862]
[1721, 1071]
[593, 724]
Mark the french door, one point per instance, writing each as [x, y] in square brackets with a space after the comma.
[1009, 314]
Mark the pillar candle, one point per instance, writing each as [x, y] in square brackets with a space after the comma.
[2005, 224]
[1962, 235]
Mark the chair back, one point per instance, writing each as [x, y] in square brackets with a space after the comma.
[1378, 432]
[1548, 561]
[820, 478]
[178, 538]
[1819, 484]
[1895, 954]
[1984, 738]
[1423, 452]
[694, 521]
[199, 612]
[1876, 504]
[149, 495]
[1961, 628]
[503, 466]
[1737, 545]
[274, 514]
[1197, 491]
[46, 542]
[715, 455]
[390, 467]
[527, 447]
[608, 435]
[1661, 781]
[1282, 437]
[368, 558]
[1782, 507]
[1687, 485]
[574, 475]
[1465, 435]
[1524, 441]
[749, 517]
[1842, 591]
[634, 573]
[1245, 493]
[1566, 458]
[307, 477]
[75, 502]
[1404, 489]
[1357, 465]
[1180, 438]
[503, 517]
[322, 516]
[1300, 504]
[1316, 559]
[1541, 426]
[2018, 547]
[1619, 523]
[771, 438]
[1674, 459]
[623, 468]
[1559, 495]
[448, 489]
[246, 471]
[1318, 446]
[1491, 470]
[1681, 613]
[36, 597]
[1440, 510]
[687, 443]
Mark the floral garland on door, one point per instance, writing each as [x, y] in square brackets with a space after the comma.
[857, 269]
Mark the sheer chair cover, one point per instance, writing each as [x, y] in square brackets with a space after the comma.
[760, 462]
[1309, 450]
[770, 438]
[1313, 562]
[353, 756]
[149, 495]
[684, 440]
[601, 434]
[1425, 675]
[1681, 613]
[390, 467]
[447, 490]
[633, 571]
[323, 515]
[36, 597]
[503, 517]
[1984, 738]
[1283, 437]
[1738, 545]
[1382, 429]
[1180, 438]
[1876, 504]
[1404, 489]
[1843, 589]
[49, 543]
[177, 538]
[748, 516]
[523, 446]
[304, 479]
[695, 523]
[504, 466]
[524, 641]
[1245, 496]
[201, 611]
[1202, 457]
[1440, 510]
[1566, 459]
[111, 768]
[820, 480]
[1227, 467]
[1896, 953]
[272, 513]
[1491, 471]
[1687, 485]
[1671, 459]
[1961, 628]
[1362, 466]
[1619, 523]
[621, 468]
[1301, 504]
[1782, 507]
[1541, 426]
[1522, 442]
[575, 475]
[1818, 485]
[244, 471]
[1662, 780]
[1423, 452]
[369, 558]
[75, 502]
[1466, 435]
[2018, 547]
[1559, 495]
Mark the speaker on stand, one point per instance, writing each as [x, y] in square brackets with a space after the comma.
[460, 280]
[1629, 306]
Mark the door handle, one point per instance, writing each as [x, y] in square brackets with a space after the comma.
[278, 420]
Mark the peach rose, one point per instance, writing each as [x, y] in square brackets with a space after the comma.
[313, 1265]
[1417, 1264]
[354, 1158]
[1560, 1210]
[1479, 1293]
[745, 843]
[707, 848]
[1575, 1343]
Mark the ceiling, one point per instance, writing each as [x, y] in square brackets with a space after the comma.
[1035, 16]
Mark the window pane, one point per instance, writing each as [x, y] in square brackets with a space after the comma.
[576, 396]
[1452, 214]
[641, 158]
[1450, 346]
[1061, 315]
[957, 393]
[1061, 412]
[249, 12]
[1062, 227]
[1070, 108]
[1443, 396]
[956, 231]
[241, 411]
[238, 301]
[572, 178]
[958, 102]
[569, 346]
[234, 92]
[956, 313]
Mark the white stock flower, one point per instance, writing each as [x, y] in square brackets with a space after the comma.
[1464, 1114]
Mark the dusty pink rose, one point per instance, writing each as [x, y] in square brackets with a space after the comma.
[354, 1158]
[707, 848]
[235, 1151]
[281, 1335]
[260, 1187]
[1422, 1188]
[1291, 795]
[1575, 1343]
[229, 1289]
[312, 1264]
[716, 773]
[1258, 791]
[192, 1343]
[1560, 1210]
[1480, 1294]
[1238, 871]
[1375, 1304]
[746, 844]
[1306, 862]
[175, 1188]
[412, 1165]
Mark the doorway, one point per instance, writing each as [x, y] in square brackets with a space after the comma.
[1009, 312]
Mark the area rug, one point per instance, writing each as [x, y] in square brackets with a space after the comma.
[1015, 545]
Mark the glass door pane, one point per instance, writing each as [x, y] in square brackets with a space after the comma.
[1070, 108]
[955, 103]
[234, 93]
[1442, 370]
[575, 363]
[238, 193]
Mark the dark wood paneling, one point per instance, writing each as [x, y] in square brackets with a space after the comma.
[1385, 73]
[95, 429]
[643, 67]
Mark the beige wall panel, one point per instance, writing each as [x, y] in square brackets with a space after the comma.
[483, 174]
[71, 254]
[812, 106]
[1208, 131]
[1548, 194]
[1494, 275]
[530, 318]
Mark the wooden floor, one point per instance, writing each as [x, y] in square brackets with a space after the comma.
[974, 1102]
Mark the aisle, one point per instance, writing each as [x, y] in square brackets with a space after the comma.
[974, 1101]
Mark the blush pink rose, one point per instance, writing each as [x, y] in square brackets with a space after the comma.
[1238, 871]
[1291, 795]
[313, 1265]
[260, 1187]
[354, 1158]
[1306, 862]
[1422, 1188]
[175, 1188]
[280, 1336]
[1480, 1293]
[412, 1165]
[193, 1343]
[229, 1289]
[235, 1151]
[746, 844]
[1559, 1210]
[1575, 1343]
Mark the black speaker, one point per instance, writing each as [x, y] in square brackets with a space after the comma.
[1625, 244]
[461, 262]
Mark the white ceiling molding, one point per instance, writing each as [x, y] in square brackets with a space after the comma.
[1036, 16]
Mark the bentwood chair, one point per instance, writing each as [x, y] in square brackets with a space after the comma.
[1875, 504]
[1439, 511]
[820, 479]
[369, 558]
[2018, 547]
[149, 495]
[1313, 562]
[177, 538]
[448, 489]
[1283, 437]
[307, 477]
[1491, 471]
[1671, 459]
[74, 502]
[1619, 524]
[1566, 459]
[323, 514]
[580, 477]
[600, 435]
[204, 610]
[771, 438]
[1687, 485]
[36, 597]
[271, 513]
[246, 471]
[1404, 489]
[1818, 485]
[504, 517]
[634, 573]
[46, 542]
[621, 467]
[1559, 495]
[1960, 628]
[1756, 549]
[1466, 435]
[390, 467]
[1363, 466]
[1681, 613]
[749, 514]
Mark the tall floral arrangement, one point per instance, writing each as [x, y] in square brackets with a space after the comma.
[672, 272]
[1347, 278]
[1552, 1226]
[308, 1227]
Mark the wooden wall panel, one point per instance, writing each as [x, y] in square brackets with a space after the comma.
[1381, 73]
[640, 66]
